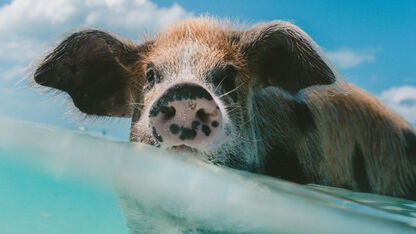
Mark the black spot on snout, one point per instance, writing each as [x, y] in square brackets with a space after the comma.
[174, 129]
[206, 130]
[195, 124]
[410, 146]
[359, 170]
[177, 93]
[156, 135]
[215, 124]
[188, 134]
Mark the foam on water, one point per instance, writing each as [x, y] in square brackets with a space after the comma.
[59, 181]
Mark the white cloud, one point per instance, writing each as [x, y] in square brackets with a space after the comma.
[347, 58]
[27, 27]
[402, 100]
[11, 73]
[38, 18]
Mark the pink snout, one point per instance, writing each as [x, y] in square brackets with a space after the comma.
[186, 115]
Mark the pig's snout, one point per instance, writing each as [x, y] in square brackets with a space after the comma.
[185, 115]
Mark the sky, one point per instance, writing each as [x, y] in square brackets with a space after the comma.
[370, 42]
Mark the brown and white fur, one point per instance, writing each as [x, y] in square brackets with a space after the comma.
[285, 112]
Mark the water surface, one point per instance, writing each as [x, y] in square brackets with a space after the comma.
[59, 181]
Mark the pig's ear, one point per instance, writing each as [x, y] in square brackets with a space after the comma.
[97, 70]
[281, 54]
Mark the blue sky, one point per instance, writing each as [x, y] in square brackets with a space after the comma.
[370, 42]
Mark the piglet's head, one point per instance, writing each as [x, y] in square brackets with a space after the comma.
[190, 87]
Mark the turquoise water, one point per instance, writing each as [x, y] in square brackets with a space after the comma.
[59, 181]
[32, 201]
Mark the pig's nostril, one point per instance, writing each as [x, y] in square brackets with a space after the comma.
[174, 129]
[202, 115]
[168, 112]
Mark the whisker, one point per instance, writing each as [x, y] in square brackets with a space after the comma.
[237, 134]
[136, 103]
[246, 140]
[219, 84]
[233, 90]
[249, 120]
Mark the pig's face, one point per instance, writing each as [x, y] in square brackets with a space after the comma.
[189, 88]
[193, 98]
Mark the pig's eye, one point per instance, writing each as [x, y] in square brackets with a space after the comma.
[225, 78]
[151, 77]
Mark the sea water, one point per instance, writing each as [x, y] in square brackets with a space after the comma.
[58, 181]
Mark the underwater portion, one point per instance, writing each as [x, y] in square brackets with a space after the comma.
[59, 181]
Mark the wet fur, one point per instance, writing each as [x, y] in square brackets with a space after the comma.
[286, 117]
[350, 140]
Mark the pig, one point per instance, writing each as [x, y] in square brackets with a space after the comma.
[263, 98]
